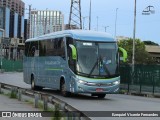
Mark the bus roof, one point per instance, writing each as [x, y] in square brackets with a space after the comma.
[86, 35]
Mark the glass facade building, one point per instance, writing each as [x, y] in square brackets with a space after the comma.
[15, 25]
[43, 22]
[7, 21]
[12, 18]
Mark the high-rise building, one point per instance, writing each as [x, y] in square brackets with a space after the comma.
[15, 5]
[12, 28]
[13, 12]
[4, 21]
[45, 21]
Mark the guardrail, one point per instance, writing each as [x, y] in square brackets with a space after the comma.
[46, 98]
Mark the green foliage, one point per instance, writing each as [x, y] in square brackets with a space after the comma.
[57, 113]
[13, 94]
[141, 55]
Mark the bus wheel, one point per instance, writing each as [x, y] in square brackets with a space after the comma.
[63, 89]
[33, 86]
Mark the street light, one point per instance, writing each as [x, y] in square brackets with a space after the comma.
[97, 23]
[115, 25]
[134, 34]
[84, 21]
[90, 16]
[105, 28]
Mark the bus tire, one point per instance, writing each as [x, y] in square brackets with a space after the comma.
[63, 89]
[33, 86]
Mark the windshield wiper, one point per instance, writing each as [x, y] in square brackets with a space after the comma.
[96, 63]
[104, 66]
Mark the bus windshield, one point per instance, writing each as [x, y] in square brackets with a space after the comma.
[97, 59]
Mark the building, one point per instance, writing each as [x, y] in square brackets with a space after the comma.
[13, 18]
[122, 38]
[154, 51]
[14, 5]
[4, 21]
[45, 21]
[12, 28]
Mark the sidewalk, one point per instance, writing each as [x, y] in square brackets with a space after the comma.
[7, 104]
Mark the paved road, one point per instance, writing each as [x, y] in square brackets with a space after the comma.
[87, 103]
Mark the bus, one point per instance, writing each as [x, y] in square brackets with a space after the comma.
[73, 61]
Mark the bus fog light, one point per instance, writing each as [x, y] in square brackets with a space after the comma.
[81, 89]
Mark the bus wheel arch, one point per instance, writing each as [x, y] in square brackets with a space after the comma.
[63, 89]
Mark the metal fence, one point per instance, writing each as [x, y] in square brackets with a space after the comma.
[12, 65]
[145, 78]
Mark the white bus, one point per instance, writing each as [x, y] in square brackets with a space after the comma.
[73, 61]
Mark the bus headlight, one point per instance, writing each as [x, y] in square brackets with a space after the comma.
[82, 82]
[116, 82]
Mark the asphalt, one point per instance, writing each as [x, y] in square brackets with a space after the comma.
[7, 104]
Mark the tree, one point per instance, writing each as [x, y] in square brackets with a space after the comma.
[141, 55]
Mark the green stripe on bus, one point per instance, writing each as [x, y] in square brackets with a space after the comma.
[56, 69]
[97, 78]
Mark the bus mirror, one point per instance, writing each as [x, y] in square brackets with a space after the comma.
[124, 52]
[74, 52]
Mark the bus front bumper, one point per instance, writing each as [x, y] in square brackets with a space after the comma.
[97, 86]
[97, 89]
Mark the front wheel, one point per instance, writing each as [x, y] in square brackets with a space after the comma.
[33, 86]
[63, 90]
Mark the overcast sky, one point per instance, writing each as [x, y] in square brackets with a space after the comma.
[147, 27]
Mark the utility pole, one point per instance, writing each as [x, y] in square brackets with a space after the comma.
[84, 21]
[97, 23]
[115, 25]
[75, 21]
[90, 15]
[105, 28]
[134, 34]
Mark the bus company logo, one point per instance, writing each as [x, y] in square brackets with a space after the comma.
[6, 114]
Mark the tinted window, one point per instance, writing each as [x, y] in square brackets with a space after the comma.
[42, 48]
[31, 49]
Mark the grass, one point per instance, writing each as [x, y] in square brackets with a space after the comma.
[13, 94]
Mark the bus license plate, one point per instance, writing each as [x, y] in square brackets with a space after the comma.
[99, 90]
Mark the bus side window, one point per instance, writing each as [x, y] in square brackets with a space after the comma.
[50, 47]
[33, 47]
[61, 49]
[42, 48]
